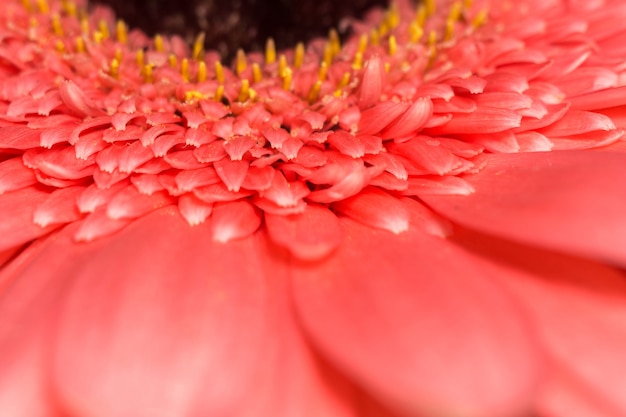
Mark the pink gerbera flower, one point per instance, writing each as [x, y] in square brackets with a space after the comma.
[426, 220]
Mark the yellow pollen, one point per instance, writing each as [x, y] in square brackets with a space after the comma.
[219, 72]
[345, 80]
[335, 43]
[194, 95]
[298, 55]
[270, 51]
[449, 33]
[420, 16]
[147, 73]
[374, 37]
[393, 45]
[118, 55]
[202, 73]
[121, 32]
[416, 32]
[240, 64]
[282, 64]
[172, 60]
[383, 29]
[198, 47]
[184, 69]
[84, 25]
[219, 93]
[357, 63]
[455, 11]
[323, 71]
[363, 40]
[328, 54]
[114, 69]
[387, 66]
[467, 4]
[158, 43]
[104, 29]
[287, 77]
[80, 45]
[256, 73]
[69, 7]
[140, 58]
[432, 38]
[244, 91]
[480, 18]
[56, 25]
[43, 6]
[26, 4]
[314, 93]
[431, 7]
[393, 16]
[98, 37]
[59, 46]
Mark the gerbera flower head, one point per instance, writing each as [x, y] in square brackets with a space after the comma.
[334, 204]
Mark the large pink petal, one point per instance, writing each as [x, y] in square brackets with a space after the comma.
[417, 325]
[578, 308]
[570, 201]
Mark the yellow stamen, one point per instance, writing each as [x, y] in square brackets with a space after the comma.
[480, 18]
[198, 47]
[159, 45]
[287, 77]
[114, 69]
[172, 60]
[420, 16]
[70, 8]
[393, 16]
[449, 32]
[140, 58]
[256, 73]
[26, 4]
[328, 54]
[202, 73]
[219, 72]
[416, 32]
[84, 26]
[335, 43]
[432, 38]
[282, 64]
[363, 40]
[244, 91]
[98, 37]
[314, 93]
[59, 46]
[455, 11]
[298, 55]
[219, 93]
[467, 4]
[104, 29]
[357, 63]
[387, 66]
[56, 25]
[43, 6]
[345, 80]
[184, 70]
[270, 51]
[194, 95]
[241, 64]
[323, 71]
[146, 72]
[431, 7]
[118, 55]
[374, 37]
[80, 45]
[121, 32]
[393, 45]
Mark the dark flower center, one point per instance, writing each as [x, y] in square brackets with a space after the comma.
[246, 24]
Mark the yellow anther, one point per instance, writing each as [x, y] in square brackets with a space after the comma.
[282, 64]
[198, 47]
[287, 77]
[256, 73]
[140, 58]
[57, 28]
[159, 45]
[79, 44]
[415, 32]
[98, 37]
[328, 54]
[420, 15]
[270, 51]
[480, 18]
[449, 32]
[298, 55]
[147, 72]
[194, 95]
[387, 66]
[59, 46]
[84, 26]
[393, 45]
[219, 72]
[240, 64]
[455, 11]
[431, 7]
[43, 6]
[334, 41]
[432, 38]
[104, 29]
[323, 72]
[467, 4]
[244, 91]
[374, 37]
[219, 93]
[345, 80]
[121, 32]
[184, 69]
[70, 9]
[383, 29]
[363, 40]
[314, 92]
[202, 73]
[114, 69]
[172, 60]
[357, 63]
[27, 5]
[118, 55]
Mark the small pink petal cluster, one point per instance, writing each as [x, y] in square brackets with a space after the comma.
[426, 220]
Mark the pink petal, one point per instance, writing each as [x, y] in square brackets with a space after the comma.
[234, 220]
[417, 331]
[569, 201]
[376, 208]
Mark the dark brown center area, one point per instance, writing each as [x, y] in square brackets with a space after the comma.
[246, 24]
